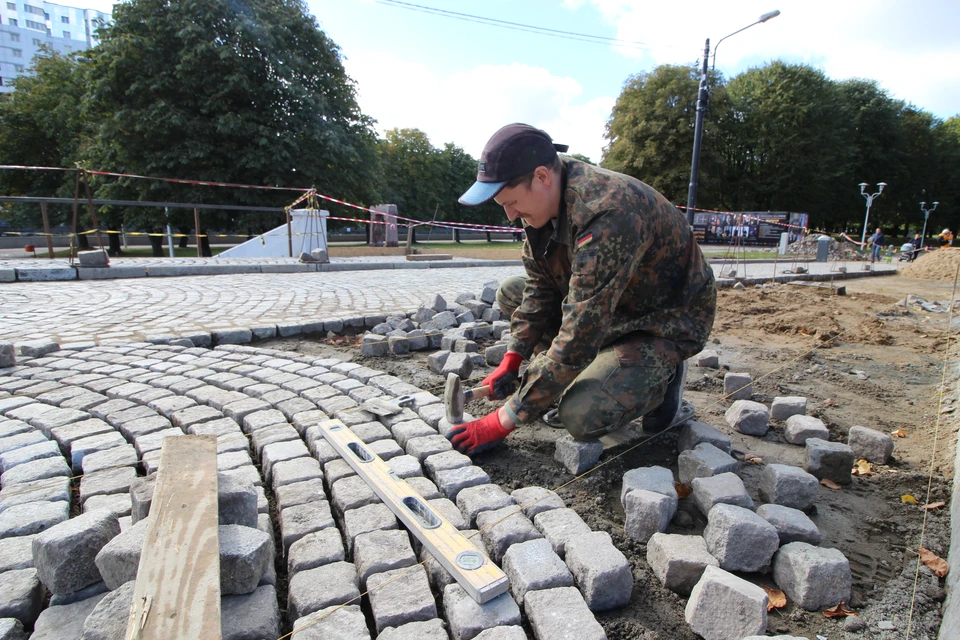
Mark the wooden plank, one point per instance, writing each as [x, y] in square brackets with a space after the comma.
[479, 577]
[177, 595]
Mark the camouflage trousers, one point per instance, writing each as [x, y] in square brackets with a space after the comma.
[614, 389]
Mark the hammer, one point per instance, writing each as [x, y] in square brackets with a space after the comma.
[454, 397]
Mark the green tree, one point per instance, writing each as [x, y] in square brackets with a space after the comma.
[41, 125]
[251, 93]
[650, 132]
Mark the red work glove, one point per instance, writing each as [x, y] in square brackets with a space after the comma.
[468, 437]
[502, 379]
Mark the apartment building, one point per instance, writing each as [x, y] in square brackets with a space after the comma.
[26, 25]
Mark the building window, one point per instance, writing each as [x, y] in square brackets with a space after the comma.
[18, 67]
[37, 42]
[17, 53]
[14, 37]
[64, 19]
[1, 82]
[34, 10]
[13, 22]
[39, 26]
[11, 6]
[66, 34]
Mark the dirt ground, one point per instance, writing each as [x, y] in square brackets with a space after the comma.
[860, 359]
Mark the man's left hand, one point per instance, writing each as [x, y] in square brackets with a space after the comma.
[470, 436]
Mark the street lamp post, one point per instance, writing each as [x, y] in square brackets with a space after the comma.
[703, 98]
[926, 216]
[870, 198]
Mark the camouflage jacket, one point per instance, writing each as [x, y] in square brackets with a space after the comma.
[620, 266]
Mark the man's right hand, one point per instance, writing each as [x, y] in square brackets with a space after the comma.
[502, 379]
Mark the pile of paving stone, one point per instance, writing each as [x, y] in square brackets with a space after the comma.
[776, 536]
[101, 413]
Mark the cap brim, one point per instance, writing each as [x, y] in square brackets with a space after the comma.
[480, 192]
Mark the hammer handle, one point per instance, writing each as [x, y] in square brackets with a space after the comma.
[476, 393]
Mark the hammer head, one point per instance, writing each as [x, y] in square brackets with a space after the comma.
[453, 399]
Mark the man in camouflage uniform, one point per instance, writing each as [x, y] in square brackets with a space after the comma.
[617, 293]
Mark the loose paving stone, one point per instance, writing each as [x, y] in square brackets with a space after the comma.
[535, 500]
[32, 517]
[812, 577]
[48, 489]
[373, 517]
[93, 444]
[738, 386]
[500, 528]
[62, 622]
[678, 561]
[870, 444]
[108, 620]
[426, 489]
[296, 493]
[380, 551]
[41, 450]
[335, 470]
[185, 418]
[261, 419]
[532, 566]
[245, 553]
[296, 470]
[276, 452]
[600, 570]
[458, 363]
[154, 441]
[236, 501]
[386, 449]
[800, 428]
[423, 447]
[403, 432]
[141, 496]
[135, 429]
[315, 550]
[558, 526]
[484, 497]
[118, 504]
[124, 456]
[119, 559]
[656, 479]
[561, 613]
[829, 460]
[298, 521]
[693, 433]
[352, 493]
[273, 434]
[64, 554]
[467, 619]
[703, 461]
[452, 481]
[16, 553]
[740, 539]
[21, 596]
[311, 590]
[748, 417]
[785, 406]
[725, 607]
[69, 433]
[400, 596]
[792, 525]
[370, 432]
[726, 488]
[447, 510]
[342, 623]
[250, 616]
[13, 427]
[14, 442]
[708, 359]
[788, 486]
[510, 632]
[577, 456]
[404, 467]
[648, 513]
[434, 629]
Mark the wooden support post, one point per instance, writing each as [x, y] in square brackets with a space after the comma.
[289, 233]
[196, 227]
[46, 228]
[76, 205]
[177, 595]
[93, 212]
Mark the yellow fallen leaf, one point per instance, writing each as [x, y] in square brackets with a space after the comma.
[908, 499]
[937, 564]
[934, 505]
[899, 433]
[863, 468]
[830, 484]
[682, 490]
[839, 611]
[804, 332]
[776, 599]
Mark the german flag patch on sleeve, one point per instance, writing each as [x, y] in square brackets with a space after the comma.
[584, 240]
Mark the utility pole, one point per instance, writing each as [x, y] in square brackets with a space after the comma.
[926, 215]
[870, 198]
[703, 97]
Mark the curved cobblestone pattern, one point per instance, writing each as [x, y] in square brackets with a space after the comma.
[96, 418]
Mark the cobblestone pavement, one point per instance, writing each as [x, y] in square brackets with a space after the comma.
[100, 415]
[117, 310]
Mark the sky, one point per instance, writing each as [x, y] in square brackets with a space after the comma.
[459, 81]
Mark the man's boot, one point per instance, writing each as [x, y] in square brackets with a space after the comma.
[673, 410]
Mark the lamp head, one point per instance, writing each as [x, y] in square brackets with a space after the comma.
[863, 185]
[935, 204]
[769, 15]
[922, 205]
[881, 185]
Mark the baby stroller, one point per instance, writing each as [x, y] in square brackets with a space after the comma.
[906, 252]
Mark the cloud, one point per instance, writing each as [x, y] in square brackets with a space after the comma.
[466, 107]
